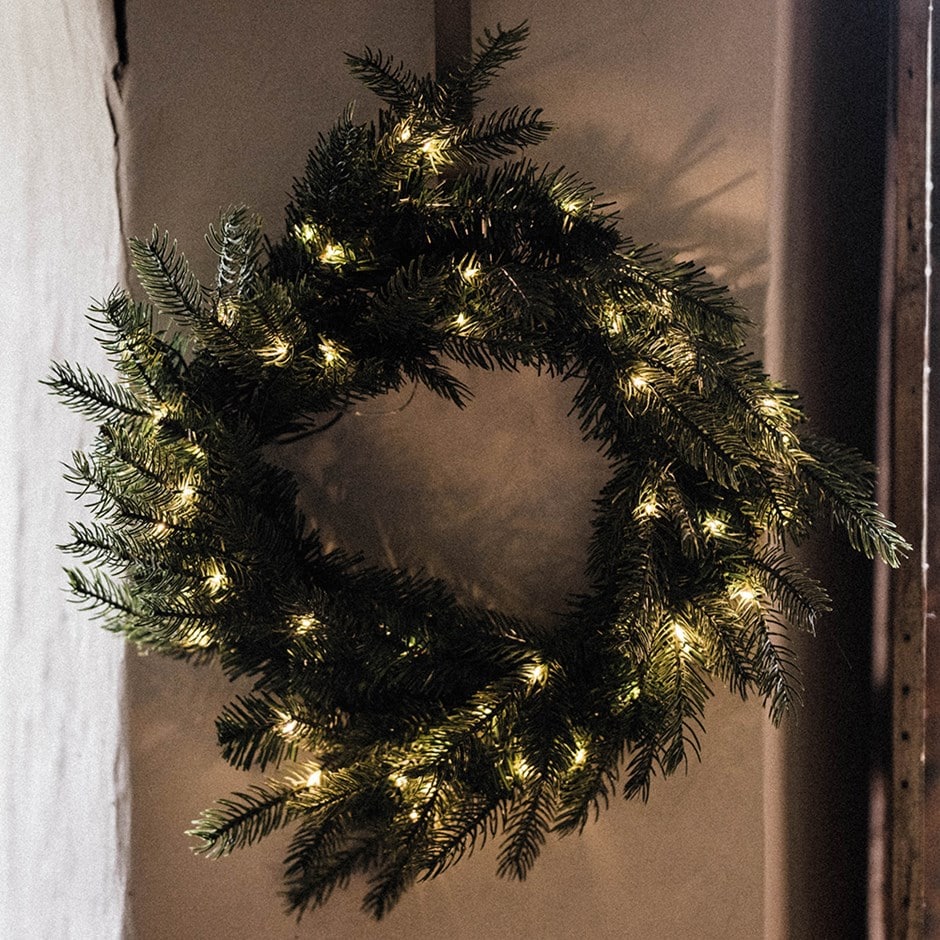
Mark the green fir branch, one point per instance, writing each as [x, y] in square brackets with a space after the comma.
[165, 275]
[843, 482]
[236, 241]
[249, 732]
[244, 818]
[93, 395]
[495, 50]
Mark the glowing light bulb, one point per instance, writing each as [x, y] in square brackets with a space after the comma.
[186, 492]
[215, 580]
[414, 815]
[160, 529]
[225, 312]
[306, 623]
[632, 693]
[315, 778]
[537, 673]
[610, 318]
[648, 508]
[682, 638]
[569, 206]
[278, 353]
[745, 593]
[470, 272]
[521, 768]
[580, 756]
[713, 525]
[401, 781]
[770, 405]
[330, 353]
[199, 639]
[307, 232]
[404, 135]
[333, 254]
[461, 320]
[288, 727]
[638, 382]
[432, 147]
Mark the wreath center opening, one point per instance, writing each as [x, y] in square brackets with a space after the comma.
[494, 498]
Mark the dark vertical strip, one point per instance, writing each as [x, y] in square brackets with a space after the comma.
[830, 270]
[120, 38]
[452, 35]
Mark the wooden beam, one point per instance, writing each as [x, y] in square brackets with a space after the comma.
[932, 734]
[907, 590]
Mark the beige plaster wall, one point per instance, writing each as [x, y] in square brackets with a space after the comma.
[670, 114]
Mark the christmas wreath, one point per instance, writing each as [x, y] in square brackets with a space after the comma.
[406, 726]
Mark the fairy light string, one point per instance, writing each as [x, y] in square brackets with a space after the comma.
[398, 726]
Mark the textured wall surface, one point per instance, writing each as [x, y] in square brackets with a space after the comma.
[670, 115]
[62, 823]
[667, 107]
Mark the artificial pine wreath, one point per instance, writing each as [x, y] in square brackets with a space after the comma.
[406, 726]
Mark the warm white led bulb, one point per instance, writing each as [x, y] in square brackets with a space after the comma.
[225, 312]
[278, 353]
[306, 623]
[315, 778]
[200, 638]
[186, 492]
[333, 254]
[632, 693]
[215, 580]
[330, 353]
[537, 673]
[682, 638]
[713, 525]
